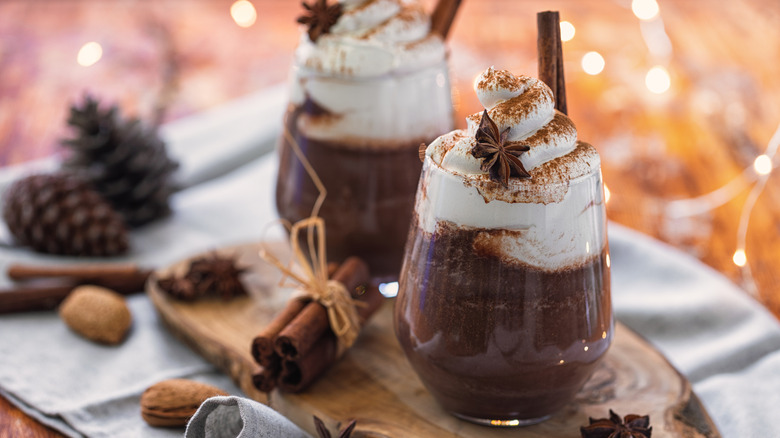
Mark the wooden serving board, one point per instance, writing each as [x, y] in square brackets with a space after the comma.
[374, 384]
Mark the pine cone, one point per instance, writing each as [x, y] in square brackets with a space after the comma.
[60, 214]
[124, 160]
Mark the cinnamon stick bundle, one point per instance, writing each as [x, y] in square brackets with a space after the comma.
[298, 345]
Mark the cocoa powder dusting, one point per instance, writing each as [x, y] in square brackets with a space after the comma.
[549, 182]
[501, 79]
[560, 124]
[521, 106]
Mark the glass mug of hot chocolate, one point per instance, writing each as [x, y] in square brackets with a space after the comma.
[364, 95]
[504, 297]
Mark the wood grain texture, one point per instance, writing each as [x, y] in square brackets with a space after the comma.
[375, 385]
[17, 424]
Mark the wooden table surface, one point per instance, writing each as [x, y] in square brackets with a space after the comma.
[719, 114]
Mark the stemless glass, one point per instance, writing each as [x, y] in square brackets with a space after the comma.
[370, 168]
[496, 341]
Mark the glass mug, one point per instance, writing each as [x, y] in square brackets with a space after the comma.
[369, 165]
[496, 341]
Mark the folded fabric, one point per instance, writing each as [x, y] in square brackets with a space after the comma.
[237, 417]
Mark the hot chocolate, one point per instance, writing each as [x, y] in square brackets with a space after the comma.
[504, 300]
[364, 96]
[370, 195]
[496, 340]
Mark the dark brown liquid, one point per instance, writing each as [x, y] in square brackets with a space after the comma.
[493, 340]
[370, 195]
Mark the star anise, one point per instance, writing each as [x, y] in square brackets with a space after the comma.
[216, 275]
[631, 426]
[322, 431]
[320, 17]
[178, 287]
[499, 157]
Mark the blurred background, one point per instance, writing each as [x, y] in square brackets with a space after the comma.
[681, 98]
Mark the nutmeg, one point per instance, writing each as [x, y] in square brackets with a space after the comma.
[171, 403]
[97, 313]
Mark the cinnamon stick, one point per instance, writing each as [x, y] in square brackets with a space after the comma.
[45, 288]
[263, 345]
[93, 272]
[124, 278]
[45, 294]
[443, 16]
[550, 54]
[297, 374]
[300, 335]
[265, 379]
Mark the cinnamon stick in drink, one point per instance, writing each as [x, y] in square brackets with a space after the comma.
[443, 16]
[299, 336]
[550, 54]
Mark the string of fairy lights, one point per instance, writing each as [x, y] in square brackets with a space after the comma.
[657, 81]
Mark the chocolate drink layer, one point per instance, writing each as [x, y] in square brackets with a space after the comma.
[498, 340]
[370, 197]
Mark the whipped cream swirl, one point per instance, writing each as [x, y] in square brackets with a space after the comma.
[372, 38]
[551, 221]
[380, 75]
[523, 104]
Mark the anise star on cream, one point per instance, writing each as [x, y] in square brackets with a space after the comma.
[320, 17]
[499, 157]
[631, 426]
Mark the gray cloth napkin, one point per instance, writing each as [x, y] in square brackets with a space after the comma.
[723, 341]
[236, 417]
[83, 389]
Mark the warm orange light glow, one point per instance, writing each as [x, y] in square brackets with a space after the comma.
[593, 63]
[89, 54]
[739, 258]
[243, 13]
[567, 31]
[762, 165]
[658, 80]
[645, 9]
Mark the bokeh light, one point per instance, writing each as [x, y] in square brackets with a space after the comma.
[593, 63]
[243, 13]
[89, 54]
[658, 80]
[567, 31]
[645, 9]
[739, 258]
[762, 165]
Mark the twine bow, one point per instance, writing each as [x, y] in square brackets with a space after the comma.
[313, 283]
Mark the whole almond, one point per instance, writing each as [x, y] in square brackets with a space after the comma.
[171, 403]
[97, 313]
